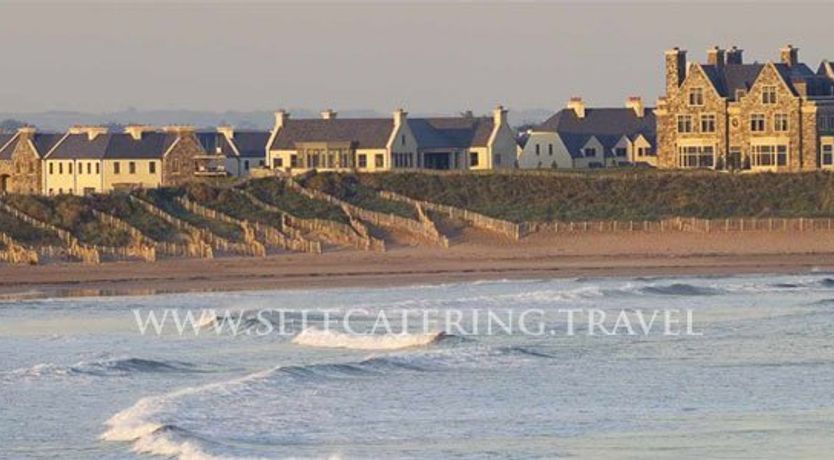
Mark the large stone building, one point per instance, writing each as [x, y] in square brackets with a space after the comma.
[581, 137]
[728, 114]
[399, 142]
[21, 159]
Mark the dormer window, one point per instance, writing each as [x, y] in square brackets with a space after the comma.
[769, 95]
[696, 96]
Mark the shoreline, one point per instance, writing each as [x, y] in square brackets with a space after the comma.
[476, 258]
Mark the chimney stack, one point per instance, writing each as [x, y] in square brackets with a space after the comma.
[180, 130]
[92, 132]
[789, 55]
[577, 106]
[675, 69]
[136, 131]
[328, 114]
[636, 103]
[281, 117]
[227, 131]
[715, 56]
[26, 132]
[499, 115]
[734, 56]
[399, 116]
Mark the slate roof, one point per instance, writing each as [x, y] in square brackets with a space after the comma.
[733, 77]
[608, 125]
[364, 133]
[253, 143]
[43, 142]
[451, 132]
[114, 145]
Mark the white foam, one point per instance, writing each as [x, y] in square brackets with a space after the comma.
[313, 337]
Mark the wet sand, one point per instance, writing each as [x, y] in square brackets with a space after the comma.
[472, 256]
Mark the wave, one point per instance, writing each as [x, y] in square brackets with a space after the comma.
[680, 289]
[104, 368]
[313, 337]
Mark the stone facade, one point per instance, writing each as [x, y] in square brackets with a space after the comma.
[725, 114]
[179, 164]
[21, 165]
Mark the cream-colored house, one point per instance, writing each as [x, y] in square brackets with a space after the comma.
[91, 160]
[400, 142]
[579, 137]
[331, 143]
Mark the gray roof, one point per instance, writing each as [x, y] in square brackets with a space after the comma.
[730, 78]
[252, 143]
[451, 132]
[362, 132]
[43, 142]
[114, 145]
[601, 121]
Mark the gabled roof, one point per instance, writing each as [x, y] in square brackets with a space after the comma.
[574, 143]
[43, 142]
[364, 133]
[601, 122]
[114, 145]
[730, 78]
[214, 142]
[452, 132]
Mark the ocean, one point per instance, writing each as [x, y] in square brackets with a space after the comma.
[747, 371]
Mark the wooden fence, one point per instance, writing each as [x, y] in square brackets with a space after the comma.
[15, 252]
[503, 227]
[421, 229]
[687, 224]
[328, 230]
[74, 247]
[198, 244]
[140, 245]
[250, 246]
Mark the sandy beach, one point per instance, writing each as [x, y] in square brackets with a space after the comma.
[472, 256]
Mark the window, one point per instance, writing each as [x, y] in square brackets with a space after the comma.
[277, 162]
[708, 123]
[684, 123]
[402, 139]
[620, 151]
[261, 163]
[51, 171]
[152, 167]
[696, 96]
[496, 160]
[550, 149]
[293, 161]
[246, 165]
[769, 95]
[117, 168]
[363, 161]
[89, 168]
[590, 152]
[69, 168]
[696, 156]
[98, 168]
[538, 149]
[780, 122]
[131, 167]
[473, 158]
[827, 155]
[60, 168]
[769, 155]
[757, 122]
[379, 161]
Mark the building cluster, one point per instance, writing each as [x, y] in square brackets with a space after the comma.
[721, 114]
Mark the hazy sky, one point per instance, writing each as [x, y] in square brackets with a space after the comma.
[427, 58]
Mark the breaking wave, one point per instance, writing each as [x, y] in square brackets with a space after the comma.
[313, 337]
[113, 367]
[681, 289]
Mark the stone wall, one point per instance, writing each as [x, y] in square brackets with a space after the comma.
[23, 168]
[179, 165]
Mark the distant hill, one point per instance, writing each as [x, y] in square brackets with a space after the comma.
[259, 119]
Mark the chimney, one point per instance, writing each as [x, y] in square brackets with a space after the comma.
[577, 106]
[499, 115]
[675, 69]
[26, 132]
[734, 56]
[399, 116]
[328, 114]
[180, 130]
[281, 118]
[715, 56]
[227, 131]
[136, 131]
[636, 103]
[91, 131]
[789, 55]
[467, 114]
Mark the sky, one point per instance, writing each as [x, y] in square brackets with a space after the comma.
[429, 57]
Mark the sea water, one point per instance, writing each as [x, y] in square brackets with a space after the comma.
[754, 380]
